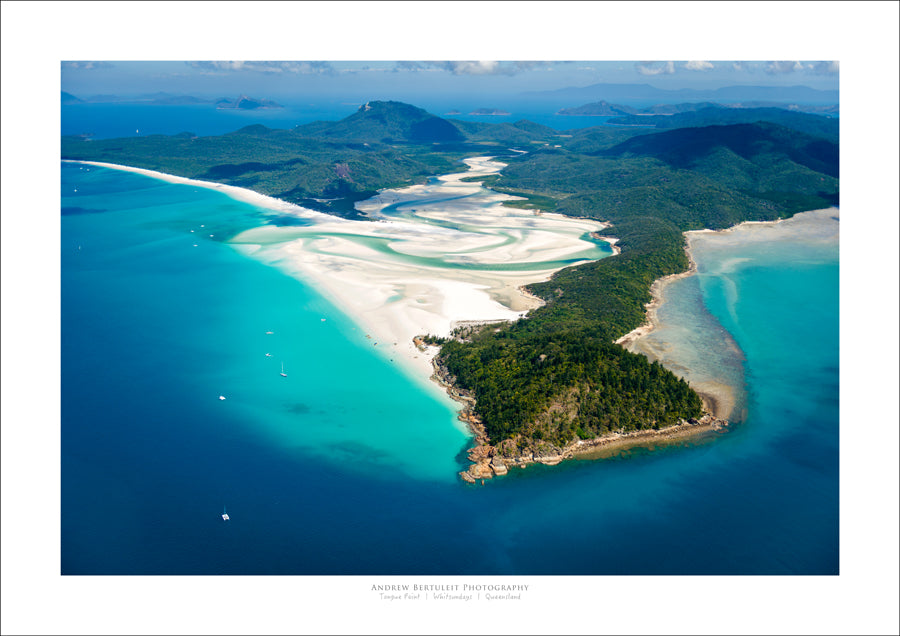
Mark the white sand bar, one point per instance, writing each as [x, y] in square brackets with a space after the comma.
[432, 255]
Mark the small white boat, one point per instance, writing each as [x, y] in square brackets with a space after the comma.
[225, 516]
[283, 374]
[269, 333]
[268, 355]
[221, 397]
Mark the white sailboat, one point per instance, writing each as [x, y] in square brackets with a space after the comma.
[283, 374]
[225, 516]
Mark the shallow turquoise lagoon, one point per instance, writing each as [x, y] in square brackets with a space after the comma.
[348, 465]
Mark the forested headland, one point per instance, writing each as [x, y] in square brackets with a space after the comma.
[557, 375]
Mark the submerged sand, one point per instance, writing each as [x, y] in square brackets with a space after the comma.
[711, 361]
[445, 252]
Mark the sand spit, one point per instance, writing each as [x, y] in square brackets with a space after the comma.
[447, 251]
[240, 194]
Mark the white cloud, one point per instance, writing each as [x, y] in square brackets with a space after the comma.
[300, 68]
[462, 67]
[827, 68]
[655, 68]
[86, 66]
[699, 66]
[777, 68]
[481, 68]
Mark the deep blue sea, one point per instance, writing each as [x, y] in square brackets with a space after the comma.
[348, 465]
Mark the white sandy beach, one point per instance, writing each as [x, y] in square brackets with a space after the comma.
[437, 263]
[403, 277]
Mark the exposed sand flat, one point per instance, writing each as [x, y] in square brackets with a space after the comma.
[435, 260]
[677, 349]
[813, 226]
[432, 255]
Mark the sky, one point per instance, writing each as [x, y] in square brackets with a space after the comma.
[298, 79]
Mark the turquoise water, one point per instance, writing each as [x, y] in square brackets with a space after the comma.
[347, 466]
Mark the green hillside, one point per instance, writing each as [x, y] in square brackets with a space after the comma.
[555, 376]
[387, 122]
[817, 125]
[326, 166]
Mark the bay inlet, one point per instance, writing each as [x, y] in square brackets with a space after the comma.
[348, 465]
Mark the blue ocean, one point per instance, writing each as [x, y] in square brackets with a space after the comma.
[113, 120]
[347, 464]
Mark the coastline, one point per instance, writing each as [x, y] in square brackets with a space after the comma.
[651, 322]
[393, 293]
[612, 240]
[432, 304]
[720, 399]
[488, 461]
[235, 192]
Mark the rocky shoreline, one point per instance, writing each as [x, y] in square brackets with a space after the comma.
[489, 460]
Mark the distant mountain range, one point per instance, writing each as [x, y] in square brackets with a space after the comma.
[69, 98]
[167, 99]
[645, 92]
[604, 108]
[811, 124]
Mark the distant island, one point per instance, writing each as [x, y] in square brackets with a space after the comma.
[606, 109]
[600, 109]
[489, 111]
[242, 102]
[150, 99]
[539, 388]
[246, 103]
[645, 92]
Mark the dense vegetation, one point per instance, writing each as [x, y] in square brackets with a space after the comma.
[718, 116]
[313, 172]
[557, 375]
